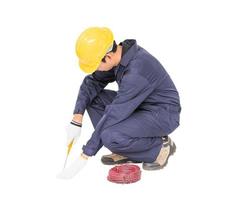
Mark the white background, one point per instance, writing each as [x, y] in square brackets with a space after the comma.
[40, 78]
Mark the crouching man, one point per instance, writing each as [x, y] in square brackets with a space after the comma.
[134, 122]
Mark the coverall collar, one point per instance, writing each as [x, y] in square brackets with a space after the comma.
[129, 50]
[129, 54]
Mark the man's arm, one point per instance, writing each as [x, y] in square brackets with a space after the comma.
[91, 86]
[89, 89]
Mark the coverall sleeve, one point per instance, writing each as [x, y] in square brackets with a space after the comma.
[132, 92]
[90, 87]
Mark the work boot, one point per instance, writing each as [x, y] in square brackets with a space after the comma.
[113, 159]
[168, 148]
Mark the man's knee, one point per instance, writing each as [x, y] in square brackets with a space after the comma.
[107, 138]
[113, 140]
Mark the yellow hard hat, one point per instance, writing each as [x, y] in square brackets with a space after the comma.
[91, 46]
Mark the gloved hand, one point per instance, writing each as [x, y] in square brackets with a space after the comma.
[74, 168]
[73, 131]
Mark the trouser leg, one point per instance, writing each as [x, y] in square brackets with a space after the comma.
[136, 137]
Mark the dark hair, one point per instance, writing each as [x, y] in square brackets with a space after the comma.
[114, 49]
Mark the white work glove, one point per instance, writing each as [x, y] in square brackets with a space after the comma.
[74, 168]
[73, 131]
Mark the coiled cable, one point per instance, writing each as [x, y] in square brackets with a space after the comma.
[126, 173]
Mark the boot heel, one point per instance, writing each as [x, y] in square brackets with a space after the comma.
[173, 148]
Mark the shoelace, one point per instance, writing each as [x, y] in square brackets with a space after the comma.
[124, 174]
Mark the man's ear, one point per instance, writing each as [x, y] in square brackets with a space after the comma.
[109, 55]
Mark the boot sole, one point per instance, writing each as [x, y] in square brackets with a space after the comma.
[119, 162]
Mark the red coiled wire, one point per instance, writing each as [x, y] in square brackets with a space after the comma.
[124, 174]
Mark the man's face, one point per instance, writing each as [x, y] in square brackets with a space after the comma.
[109, 64]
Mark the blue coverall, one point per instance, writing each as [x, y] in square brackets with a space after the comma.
[131, 121]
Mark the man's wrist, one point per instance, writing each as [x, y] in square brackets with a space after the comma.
[76, 123]
[78, 118]
[84, 156]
